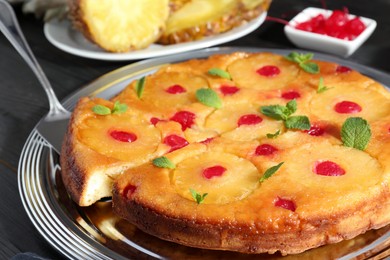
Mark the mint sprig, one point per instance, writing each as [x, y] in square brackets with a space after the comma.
[321, 87]
[283, 113]
[220, 73]
[118, 108]
[139, 87]
[163, 162]
[274, 135]
[270, 171]
[199, 198]
[356, 133]
[303, 60]
[208, 97]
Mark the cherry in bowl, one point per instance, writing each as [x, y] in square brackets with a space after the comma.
[336, 32]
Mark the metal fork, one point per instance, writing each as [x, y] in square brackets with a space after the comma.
[53, 126]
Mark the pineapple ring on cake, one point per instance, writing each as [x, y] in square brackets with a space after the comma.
[120, 26]
[345, 100]
[263, 71]
[225, 177]
[196, 19]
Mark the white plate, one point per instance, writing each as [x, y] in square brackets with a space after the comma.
[63, 36]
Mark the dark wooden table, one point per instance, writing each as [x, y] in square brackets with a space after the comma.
[23, 102]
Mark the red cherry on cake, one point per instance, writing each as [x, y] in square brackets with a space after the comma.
[265, 149]
[185, 118]
[214, 171]
[155, 120]
[175, 142]
[285, 203]
[328, 168]
[250, 119]
[207, 141]
[129, 191]
[268, 71]
[229, 90]
[291, 95]
[347, 107]
[315, 130]
[175, 89]
[343, 69]
[123, 136]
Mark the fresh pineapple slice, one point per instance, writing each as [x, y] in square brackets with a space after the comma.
[344, 100]
[263, 71]
[225, 177]
[193, 20]
[122, 25]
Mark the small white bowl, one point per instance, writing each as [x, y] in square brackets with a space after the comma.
[324, 43]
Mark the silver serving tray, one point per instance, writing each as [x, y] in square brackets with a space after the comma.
[95, 233]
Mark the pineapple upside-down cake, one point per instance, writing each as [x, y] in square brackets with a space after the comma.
[249, 152]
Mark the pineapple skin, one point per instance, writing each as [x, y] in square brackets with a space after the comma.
[236, 17]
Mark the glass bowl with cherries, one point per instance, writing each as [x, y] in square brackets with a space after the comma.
[337, 32]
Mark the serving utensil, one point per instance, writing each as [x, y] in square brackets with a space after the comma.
[53, 126]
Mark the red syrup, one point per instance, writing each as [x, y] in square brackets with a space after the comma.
[285, 203]
[328, 168]
[347, 107]
[123, 136]
[249, 119]
[214, 171]
[175, 142]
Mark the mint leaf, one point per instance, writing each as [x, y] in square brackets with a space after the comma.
[310, 67]
[321, 87]
[273, 136]
[270, 171]
[220, 73]
[277, 112]
[297, 122]
[119, 108]
[198, 197]
[101, 110]
[208, 97]
[356, 133]
[303, 61]
[139, 87]
[163, 162]
[292, 107]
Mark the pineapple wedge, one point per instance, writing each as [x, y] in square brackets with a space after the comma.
[193, 20]
[121, 26]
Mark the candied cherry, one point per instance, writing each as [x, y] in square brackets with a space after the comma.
[185, 118]
[123, 136]
[328, 168]
[214, 171]
[128, 191]
[347, 107]
[175, 89]
[265, 149]
[175, 142]
[285, 203]
[229, 90]
[315, 130]
[249, 119]
[343, 69]
[291, 95]
[268, 71]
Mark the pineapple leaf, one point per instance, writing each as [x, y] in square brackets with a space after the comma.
[163, 162]
[273, 136]
[101, 110]
[297, 122]
[139, 87]
[270, 171]
[356, 133]
[208, 97]
[220, 73]
[197, 196]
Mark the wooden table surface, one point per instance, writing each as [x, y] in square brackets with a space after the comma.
[23, 101]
